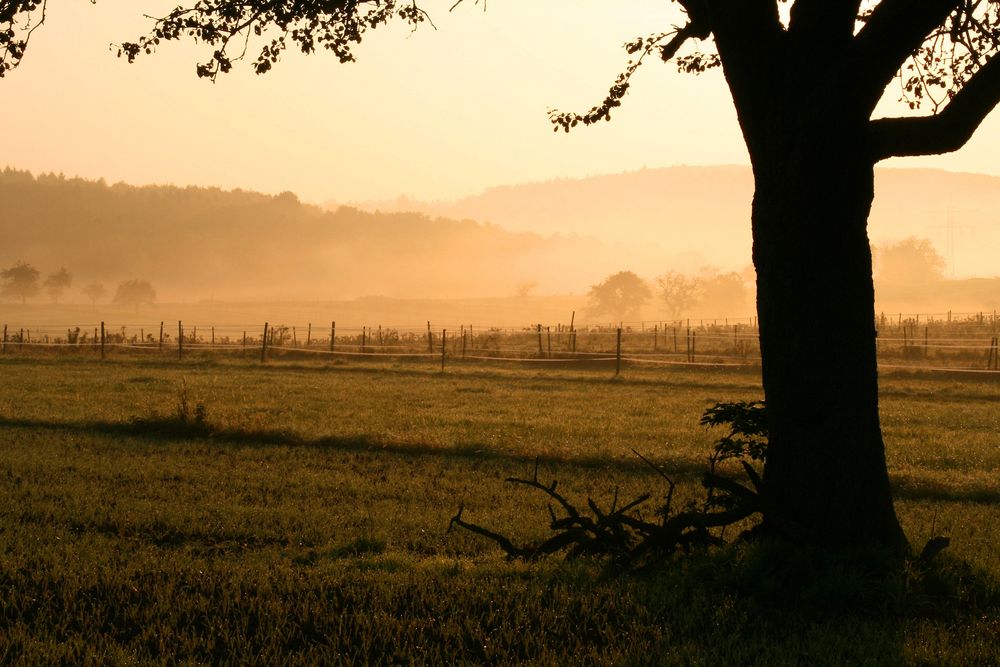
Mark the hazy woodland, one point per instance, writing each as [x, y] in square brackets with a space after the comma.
[511, 255]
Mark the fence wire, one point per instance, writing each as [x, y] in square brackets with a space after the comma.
[952, 344]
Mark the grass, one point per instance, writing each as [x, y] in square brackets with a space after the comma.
[303, 519]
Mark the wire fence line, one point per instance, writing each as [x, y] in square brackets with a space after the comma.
[945, 342]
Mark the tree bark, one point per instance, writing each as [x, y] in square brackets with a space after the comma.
[825, 477]
[808, 135]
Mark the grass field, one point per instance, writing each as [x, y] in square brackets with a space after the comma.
[303, 518]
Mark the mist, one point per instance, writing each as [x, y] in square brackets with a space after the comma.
[511, 255]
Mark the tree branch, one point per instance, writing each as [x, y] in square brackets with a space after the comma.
[819, 32]
[893, 32]
[946, 131]
[752, 45]
[567, 120]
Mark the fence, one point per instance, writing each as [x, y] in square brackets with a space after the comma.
[948, 341]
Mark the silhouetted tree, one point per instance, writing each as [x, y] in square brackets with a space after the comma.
[135, 293]
[621, 296]
[911, 261]
[805, 89]
[20, 281]
[679, 292]
[57, 283]
[95, 292]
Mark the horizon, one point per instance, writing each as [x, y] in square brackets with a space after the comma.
[469, 122]
[331, 204]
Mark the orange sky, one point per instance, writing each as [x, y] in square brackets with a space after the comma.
[433, 114]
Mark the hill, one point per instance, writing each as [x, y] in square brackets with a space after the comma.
[700, 215]
[197, 243]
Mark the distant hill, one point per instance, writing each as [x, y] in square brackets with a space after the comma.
[700, 215]
[559, 237]
[197, 243]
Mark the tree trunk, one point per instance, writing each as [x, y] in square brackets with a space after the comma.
[825, 477]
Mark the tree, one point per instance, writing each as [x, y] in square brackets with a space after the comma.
[911, 261]
[724, 293]
[679, 292]
[135, 293]
[57, 283]
[805, 85]
[20, 281]
[805, 91]
[95, 292]
[524, 288]
[621, 296]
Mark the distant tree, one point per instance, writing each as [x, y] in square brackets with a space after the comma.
[725, 293]
[525, 288]
[679, 292]
[135, 293]
[911, 261]
[20, 281]
[57, 283]
[621, 295]
[95, 292]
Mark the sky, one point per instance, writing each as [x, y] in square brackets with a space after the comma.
[432, 114]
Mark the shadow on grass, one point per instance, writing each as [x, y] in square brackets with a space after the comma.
[171, 428]
[174, 428]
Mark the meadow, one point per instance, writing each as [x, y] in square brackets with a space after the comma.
[212, 510]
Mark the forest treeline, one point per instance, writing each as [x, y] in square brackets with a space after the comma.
[688, 216]
[197, 243]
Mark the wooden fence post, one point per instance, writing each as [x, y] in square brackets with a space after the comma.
[102, 339]
[5, 339]
[263, 345]
[180, 340]
[244, 342]
[463, 341]
[618, 353]
[309, 333]
[444, 339]
[548, 341]
[540, 350]
[572, 332]
[430, 338]
[213, 338]
[333, 334]
[160, 346]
